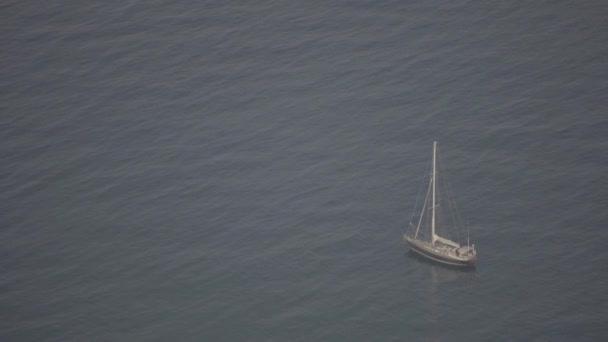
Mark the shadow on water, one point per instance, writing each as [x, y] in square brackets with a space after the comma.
[440, 275]
[458, 269]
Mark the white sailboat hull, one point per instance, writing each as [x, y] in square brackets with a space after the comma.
[443, 253]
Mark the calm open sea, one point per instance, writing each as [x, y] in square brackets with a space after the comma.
[243, 171]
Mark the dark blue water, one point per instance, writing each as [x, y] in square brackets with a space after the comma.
[243, 171]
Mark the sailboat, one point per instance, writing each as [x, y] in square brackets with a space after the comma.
[438, 246]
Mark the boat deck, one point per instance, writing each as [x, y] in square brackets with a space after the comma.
[449, 252]
[443, 248]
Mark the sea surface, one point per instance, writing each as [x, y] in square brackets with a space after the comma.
[244, 170]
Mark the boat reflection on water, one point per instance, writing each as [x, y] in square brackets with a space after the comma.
[441, 277]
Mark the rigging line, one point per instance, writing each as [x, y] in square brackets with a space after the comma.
[427, 216]
[467, 226]
[449, 202]
[457, 216]
[455, 230]
[452, 209]
[438, 211]
[418, 197]
[426, 200]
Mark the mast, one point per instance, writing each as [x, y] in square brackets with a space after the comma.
[433, 237]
